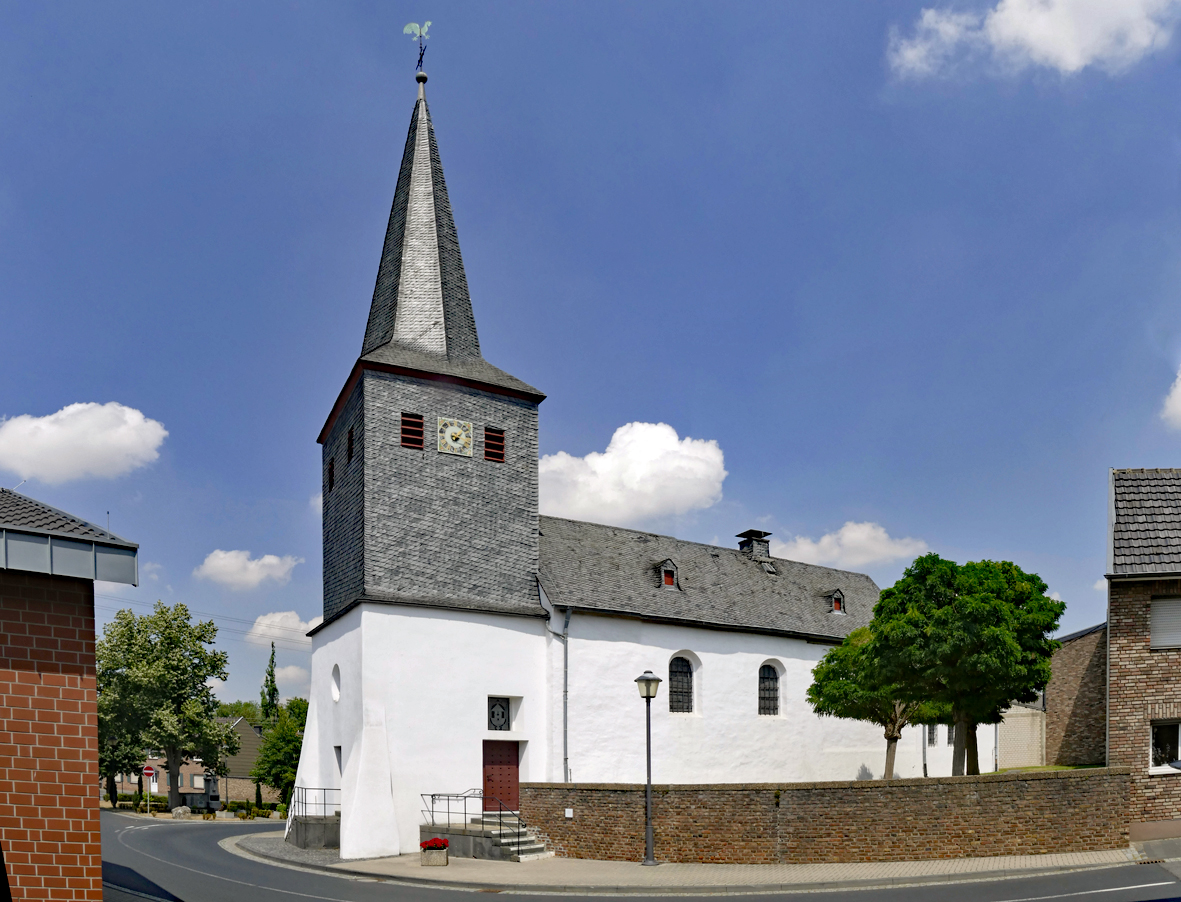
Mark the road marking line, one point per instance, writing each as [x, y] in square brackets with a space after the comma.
[1091, 892]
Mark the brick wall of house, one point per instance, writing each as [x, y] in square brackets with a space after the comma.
[1144, 688]
[897, 820]
[49, 826]
[1076, 702]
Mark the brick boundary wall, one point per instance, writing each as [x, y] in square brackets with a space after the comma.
[895, 820]
[1076, 702]
[49, 794]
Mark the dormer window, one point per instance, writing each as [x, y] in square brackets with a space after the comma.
[668, 575]
[836, 602]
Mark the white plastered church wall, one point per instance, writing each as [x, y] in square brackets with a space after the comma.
[725, 739]
[425, 675]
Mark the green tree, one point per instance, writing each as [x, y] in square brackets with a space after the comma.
[278, 757]
[297, 710]
[123, 701]
[249, 710]
[847, 683]
[972, 638]
[270, 691]
[166, 666]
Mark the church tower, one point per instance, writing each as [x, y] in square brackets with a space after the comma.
[430, 452]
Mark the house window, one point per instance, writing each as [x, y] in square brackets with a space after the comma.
[951, 734]
[1164, 746]
[412, 431]
[498, 713]
[197, 782]
[932, 734]
[494, 444]
[768, 690]
[680, 686]
[349, 459]
[331, 473]
[180, 781]
[1165, 622]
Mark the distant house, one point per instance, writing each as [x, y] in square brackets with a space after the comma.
[237, 784]
[1076, 699]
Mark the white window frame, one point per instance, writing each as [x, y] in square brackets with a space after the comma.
[1163, 770]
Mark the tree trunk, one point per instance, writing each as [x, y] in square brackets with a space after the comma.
[257, 795]
[891, 748]
[957, 760]
[112, 791]
[973, 751]
[174, 762]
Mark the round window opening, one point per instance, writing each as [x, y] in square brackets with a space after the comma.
[336, 682]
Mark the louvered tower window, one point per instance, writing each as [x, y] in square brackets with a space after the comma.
[331, 473]
[680, 686]
[412, 430]
[349, 458]
[768, 690]
[494, 444]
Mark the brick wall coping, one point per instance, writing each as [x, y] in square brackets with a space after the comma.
[868, 785]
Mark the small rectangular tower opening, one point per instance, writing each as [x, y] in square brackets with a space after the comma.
[494, 444]
[412, 430]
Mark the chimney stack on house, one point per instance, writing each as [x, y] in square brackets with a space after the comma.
[754, 543]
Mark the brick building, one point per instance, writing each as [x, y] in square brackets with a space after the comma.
[1144, 643]
[49, 800]
[1076, 699]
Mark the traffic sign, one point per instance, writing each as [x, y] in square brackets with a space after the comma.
[149, 771]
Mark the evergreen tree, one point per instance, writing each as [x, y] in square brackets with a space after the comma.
[270, 691]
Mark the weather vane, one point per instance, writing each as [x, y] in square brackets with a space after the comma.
[420, 33]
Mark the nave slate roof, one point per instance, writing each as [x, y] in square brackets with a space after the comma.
[1144, 522]
[24, 514]
[612, 570]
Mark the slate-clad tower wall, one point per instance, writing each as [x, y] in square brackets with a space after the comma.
[417, 525]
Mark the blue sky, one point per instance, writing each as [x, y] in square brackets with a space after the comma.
[908, 266]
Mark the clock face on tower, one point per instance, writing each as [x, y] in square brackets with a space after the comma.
[455, 437]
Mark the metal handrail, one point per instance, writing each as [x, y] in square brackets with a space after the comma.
[444, 800]
[311, 801]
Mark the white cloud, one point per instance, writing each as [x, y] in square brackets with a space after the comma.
[1066, 35]
[80, 440]
[292, 681]
[151, 571]
[281, 626]
[1055, 596]
[853, 545]
[647, 472]
[1100, 585]
[1171, 409]
[316, 502]
[237, 570]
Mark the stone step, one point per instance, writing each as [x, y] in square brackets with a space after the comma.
[533, 856]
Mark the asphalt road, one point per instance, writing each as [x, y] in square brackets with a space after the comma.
[180, 861]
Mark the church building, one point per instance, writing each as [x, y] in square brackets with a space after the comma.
[469, 643]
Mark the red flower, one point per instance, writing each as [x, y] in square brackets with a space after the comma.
[435, 843]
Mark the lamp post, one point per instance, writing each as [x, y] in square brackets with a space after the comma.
[648, 683]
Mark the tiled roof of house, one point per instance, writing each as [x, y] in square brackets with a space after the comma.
[21, 513]
[605, 568]
[1145, 522]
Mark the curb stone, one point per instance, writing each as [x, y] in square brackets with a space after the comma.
[230, 844]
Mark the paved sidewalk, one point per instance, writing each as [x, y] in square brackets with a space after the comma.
[552, 875]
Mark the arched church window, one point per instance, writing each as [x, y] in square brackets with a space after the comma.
[680, 686]
[768, 690]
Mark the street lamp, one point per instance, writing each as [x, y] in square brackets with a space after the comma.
[648, 683]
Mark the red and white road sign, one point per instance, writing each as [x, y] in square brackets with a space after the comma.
[149, 771]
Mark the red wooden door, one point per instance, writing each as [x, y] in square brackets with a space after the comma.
[501, 774]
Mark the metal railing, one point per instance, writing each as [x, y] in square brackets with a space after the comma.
[441, 809]
[309, 801]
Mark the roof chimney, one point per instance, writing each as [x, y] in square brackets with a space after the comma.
[754, 543]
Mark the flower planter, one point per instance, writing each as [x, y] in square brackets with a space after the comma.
[433, 858]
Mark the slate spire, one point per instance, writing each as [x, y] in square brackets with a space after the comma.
[421, 300]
